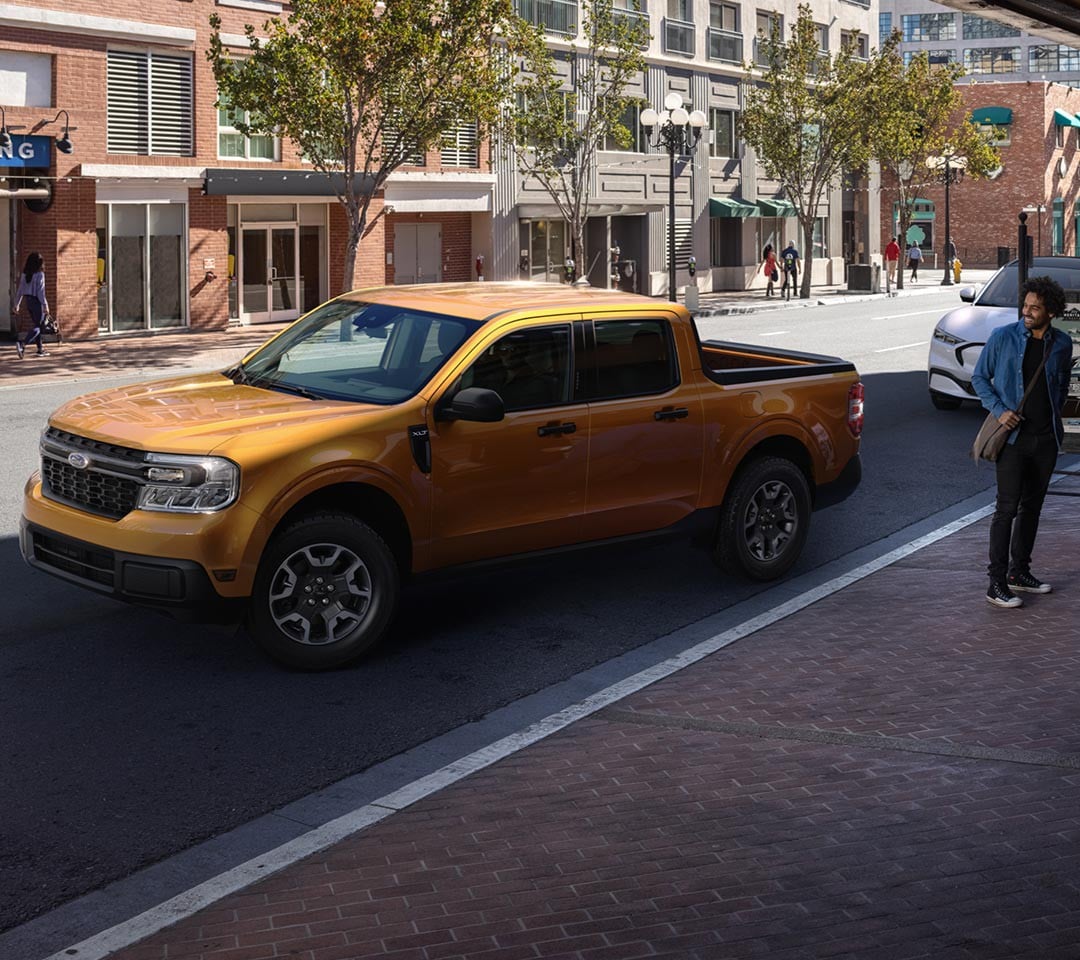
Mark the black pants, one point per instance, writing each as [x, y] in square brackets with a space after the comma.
[1023, 475]
[33, 304]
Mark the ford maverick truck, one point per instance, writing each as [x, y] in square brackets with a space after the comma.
[399, 430]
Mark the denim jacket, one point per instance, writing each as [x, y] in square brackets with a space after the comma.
[999, 375]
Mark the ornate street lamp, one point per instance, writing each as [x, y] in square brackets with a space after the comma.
[949, 168]
[678, 132]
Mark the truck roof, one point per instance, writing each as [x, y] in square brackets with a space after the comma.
[482, 301]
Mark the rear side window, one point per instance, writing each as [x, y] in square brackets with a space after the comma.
[633, 358]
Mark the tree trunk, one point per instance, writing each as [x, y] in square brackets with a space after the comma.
[581, 268]
[901, 239]
[351, 247]
[808, 260]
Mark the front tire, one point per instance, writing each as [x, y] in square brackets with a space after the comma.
[325, 593]
[765, 519]
[942, 401]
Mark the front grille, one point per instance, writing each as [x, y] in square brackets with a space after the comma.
[108, 487]
[95, 492]
[94, 564]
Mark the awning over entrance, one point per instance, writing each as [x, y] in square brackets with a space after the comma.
[920, 209]
[997, 116]
[549, 211]
[440, 193]
[1062, 118]
[730, 207]
[276, 183]
[776, 208]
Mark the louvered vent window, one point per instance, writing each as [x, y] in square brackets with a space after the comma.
[461, 146]
[150, 104]
[414, 156]
[684, 243]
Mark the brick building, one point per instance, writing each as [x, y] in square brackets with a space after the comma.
[1039, 167]
[162, 215]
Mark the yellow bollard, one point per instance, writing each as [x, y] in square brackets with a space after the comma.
[956, 266]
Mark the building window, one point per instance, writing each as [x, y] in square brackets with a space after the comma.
[992, 59]
[821, 30]
[979, 28]
[884, 26]
[770, 25]
[1053, 58]
[149, 104]
[997, 136]
[681, 10]
[721, 133]
[934, 57]
[917, 27]
[855, 43]
[724, 16]
[1059, 136]
[233, 144]
[821, 238]
[629, 118]
[461, 146]
[145, 249]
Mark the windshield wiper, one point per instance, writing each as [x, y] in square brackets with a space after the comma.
[285, 387]
[238, 375]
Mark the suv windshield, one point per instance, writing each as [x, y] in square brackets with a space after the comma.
[1002, 290]
[357, 351]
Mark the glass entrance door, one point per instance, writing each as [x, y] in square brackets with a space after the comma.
[269, 273]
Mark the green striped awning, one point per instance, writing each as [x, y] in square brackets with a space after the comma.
[730, 207]
[997, 116]
[1062, 118]
[776, 208]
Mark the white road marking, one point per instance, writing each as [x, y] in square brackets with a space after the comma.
[921, 343]
[185, 904]
[773, 333]
[917, 313]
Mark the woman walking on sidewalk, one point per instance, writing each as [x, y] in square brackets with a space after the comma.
[32, 290]
[769, 268]
[914, 258]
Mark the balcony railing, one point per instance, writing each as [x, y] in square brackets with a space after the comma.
[725, 45]
[632, 19]
[555, 16]
[678, 36]
[765, 49]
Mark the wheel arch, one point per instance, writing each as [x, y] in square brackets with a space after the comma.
[375, 507]
[784, 446]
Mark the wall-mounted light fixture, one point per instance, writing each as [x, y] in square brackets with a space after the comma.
[5, 137]
[63, 144]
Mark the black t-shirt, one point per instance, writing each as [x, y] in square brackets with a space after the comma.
[1038, 414]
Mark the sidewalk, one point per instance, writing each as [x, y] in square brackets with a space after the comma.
[893, 771]
[154, 355]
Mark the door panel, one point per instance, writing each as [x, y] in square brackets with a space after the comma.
[283, 285]
[405, 253]
[646, 430]
[428, 253]
[519, 484]
[254, 275]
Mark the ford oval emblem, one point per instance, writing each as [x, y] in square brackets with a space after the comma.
[80, 461]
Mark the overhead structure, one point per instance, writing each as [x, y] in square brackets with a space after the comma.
[1056, 20]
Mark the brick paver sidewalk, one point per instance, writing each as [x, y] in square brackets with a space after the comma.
[893, 772]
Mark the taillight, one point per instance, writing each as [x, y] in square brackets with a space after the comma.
[855, 409]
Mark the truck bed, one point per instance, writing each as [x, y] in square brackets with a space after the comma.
[730, 363]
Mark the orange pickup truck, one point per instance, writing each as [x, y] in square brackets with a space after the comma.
[405, 429]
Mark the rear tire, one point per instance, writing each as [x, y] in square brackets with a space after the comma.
[944, 402]
[325, 593]
[765, 519]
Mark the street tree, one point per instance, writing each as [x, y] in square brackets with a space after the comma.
[919, 114]
[567, 109]
[807, 120]
[363, 87]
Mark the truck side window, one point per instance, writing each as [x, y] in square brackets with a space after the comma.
[633, 358]
[527, 368]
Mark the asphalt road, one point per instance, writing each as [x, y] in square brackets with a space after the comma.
[127, 737]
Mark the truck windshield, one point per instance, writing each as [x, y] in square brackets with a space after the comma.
[357, 351]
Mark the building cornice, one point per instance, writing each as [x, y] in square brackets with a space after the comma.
[13, 16]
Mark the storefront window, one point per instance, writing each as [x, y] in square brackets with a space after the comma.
[143, 247]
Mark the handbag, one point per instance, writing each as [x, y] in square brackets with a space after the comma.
[775, 275]
[993, 434]
[48, 325]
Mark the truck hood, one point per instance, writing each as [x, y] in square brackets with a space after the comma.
[190, 414]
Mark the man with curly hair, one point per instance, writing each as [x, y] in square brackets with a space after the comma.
[1009, 361]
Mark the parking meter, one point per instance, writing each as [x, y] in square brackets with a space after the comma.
[568, 266]
[691, 265]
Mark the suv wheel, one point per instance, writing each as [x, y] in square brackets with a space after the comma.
[764, 520]
[943, 401]
[325, 592]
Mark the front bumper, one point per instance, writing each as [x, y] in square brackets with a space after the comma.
[951, 366]
[181, 588]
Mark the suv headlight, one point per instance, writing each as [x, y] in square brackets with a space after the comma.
[948, 338]
[181, 484]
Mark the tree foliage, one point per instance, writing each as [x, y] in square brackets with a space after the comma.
[559, 123]
[919, 114]
[807, 120]
[361, 88]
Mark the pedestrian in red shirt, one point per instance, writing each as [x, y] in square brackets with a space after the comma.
[892, 259]
[770, 268]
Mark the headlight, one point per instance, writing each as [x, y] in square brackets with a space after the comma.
[948, 338]
[182, 484]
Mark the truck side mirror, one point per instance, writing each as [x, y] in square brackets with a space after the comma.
[473, 403]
